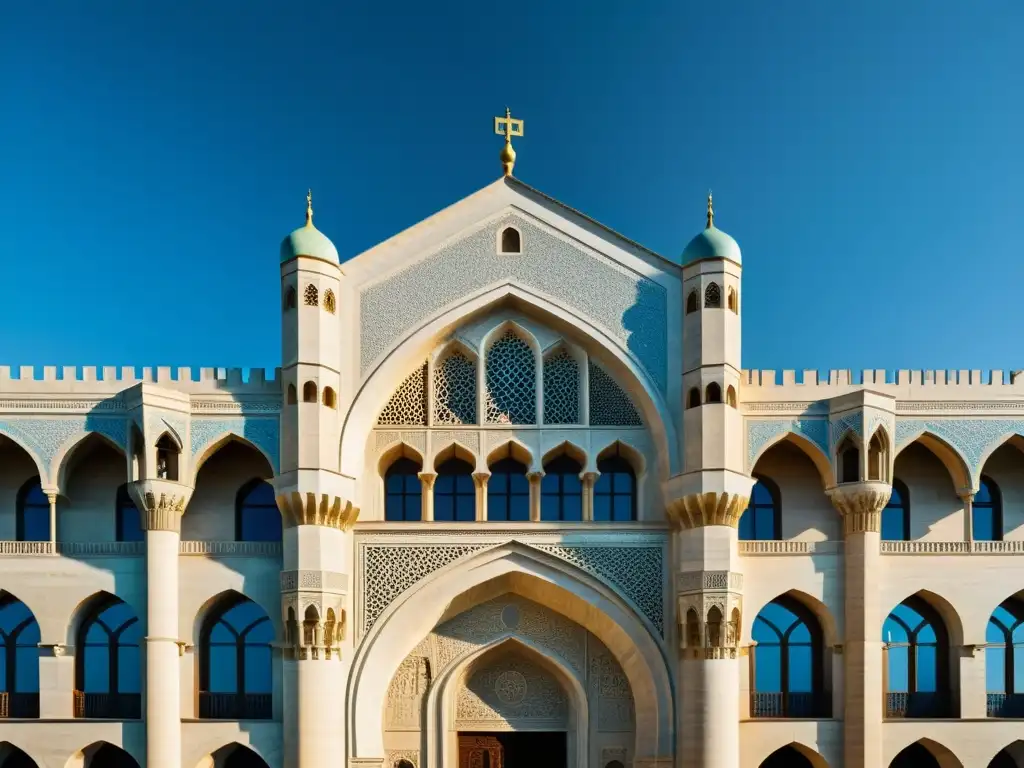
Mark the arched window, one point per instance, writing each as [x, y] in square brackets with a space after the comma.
[730, 396]
[848, 455]
[16, 758]
[257, 517]
[106, 755]
[311, 296]
[712, 296]
[731, 301]
[330, 398]
[918, 661]
[510, 241]
[290, 298]
[561, 492]
[403, 491]
[309, 392]
[788, 670]
[508, 491]
[896, 515]
[762, 520]
[787, 757]
[293, 397]
[691, 302]
[915, 755]
[33, 513]
[615, 489]
[240, 757]
[167, 458]
[1004, 660]
[693, 398]
[713, 393]
[128, 525]
[235, 663]
[1003, 759]
[329, 301]
[404, 764]
[878, 456]
[511, 377]
[987, 512]
[19, 674]
[454, 492]
[108, 662]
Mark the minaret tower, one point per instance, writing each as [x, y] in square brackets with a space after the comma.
[314, 499]
[706, 500]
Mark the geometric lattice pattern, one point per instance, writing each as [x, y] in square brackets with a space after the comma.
[455, 390]
[511, 382]
[561, 388]
[609, 405]
[408, 405]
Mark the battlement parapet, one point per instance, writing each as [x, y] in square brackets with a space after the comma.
[51, 379]
[836, 382]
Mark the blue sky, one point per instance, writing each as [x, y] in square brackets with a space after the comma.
[867, 158]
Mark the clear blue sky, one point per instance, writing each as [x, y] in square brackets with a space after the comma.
[868, 159]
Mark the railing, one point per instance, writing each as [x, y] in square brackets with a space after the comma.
[901, 704]
[138, 548]
[231, 548]
[952, 547]
[793, 705]
[235, 706]
[108, 706]
[26, 547]
[785, 547]
[101, 548]
[1005, 705]
[19, 704]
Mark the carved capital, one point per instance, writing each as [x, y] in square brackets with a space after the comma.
[427, 479]
[161, 503]
[697, 510]
[861, 505]
[56, 650]
[324, 509]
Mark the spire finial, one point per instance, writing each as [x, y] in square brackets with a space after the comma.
[309, 208]
[509, 126]
[711, 212]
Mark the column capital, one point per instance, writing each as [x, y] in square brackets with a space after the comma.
[313, 508]
[428, 479]
[860, 505]
[161, 503]
[697, 510]
[481, 478]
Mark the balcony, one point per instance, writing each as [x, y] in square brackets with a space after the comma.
[1005, 705]
[235, 706]
[789, 705]
[19, 705]
[901, 704]
[108, 706]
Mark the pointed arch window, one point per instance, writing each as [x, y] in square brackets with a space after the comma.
[896, 515]
[19, 674]
[712, 296]
[730, 396]
[987, 511]
[917, 648]
[732, 303]
[1004, 660]
[235, 664]
[691, 303]
[257, 517]
[454, 492]
[788, 669]
[693, 398]
[108, 662]
[508, 491]
[403, 491]
[561, 497]
[511, 396]
[128, 524]
[848, 455]
[330, 304]
[167, 454]
[878, 456]
[293, 396]
[762, 520]
[311, 296]
[309, 392]
[615, 489]
[713, 393]
[330, 398]
[33, 513]
[290, 298]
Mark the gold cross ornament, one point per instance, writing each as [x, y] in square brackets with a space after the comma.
[509, 127]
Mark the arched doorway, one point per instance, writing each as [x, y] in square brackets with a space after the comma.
[13, 757]
[787, 757]
[102, 754]
[916, 755]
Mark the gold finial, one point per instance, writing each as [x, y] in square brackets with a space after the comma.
[309, 208]
[711, 212]
[509, 126]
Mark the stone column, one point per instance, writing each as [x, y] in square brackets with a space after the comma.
[52, 498]
[967, 496]
[588, 480]
[535, 479]
[860, 505]
[480, 482]
[709, 586]
[427, 480]
[161, 504]
[314, 606]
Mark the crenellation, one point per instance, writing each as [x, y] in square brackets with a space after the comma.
[88, 379]
[762, 385]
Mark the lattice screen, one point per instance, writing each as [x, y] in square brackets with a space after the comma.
[408, 406]
[609, 405]
[561, 388]
[455, 390]
[511, 382]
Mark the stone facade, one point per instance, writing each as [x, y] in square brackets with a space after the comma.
[513, 491]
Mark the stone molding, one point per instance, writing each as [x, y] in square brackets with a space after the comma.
[161, 503]
[697, 581]
[698, 510]
[326, 581]
[317, 509]
[860, 505]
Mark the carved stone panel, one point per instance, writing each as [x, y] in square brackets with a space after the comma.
[511, 693]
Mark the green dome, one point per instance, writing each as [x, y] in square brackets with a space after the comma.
[712, 243]
[308, 241]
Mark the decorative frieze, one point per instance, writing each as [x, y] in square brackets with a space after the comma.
[327, 581]
[697, 581]
[317, 509]
[697, 510]
[861, 505]
[161, 503]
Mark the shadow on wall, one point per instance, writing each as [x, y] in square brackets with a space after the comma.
[646, 325]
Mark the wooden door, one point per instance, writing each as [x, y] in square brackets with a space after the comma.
[480, 752]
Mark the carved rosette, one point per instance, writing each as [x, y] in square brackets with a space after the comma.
[860, 505]
[697, 510]
[161, 503]
[317, 509]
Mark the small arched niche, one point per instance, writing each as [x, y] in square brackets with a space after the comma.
[510, 240]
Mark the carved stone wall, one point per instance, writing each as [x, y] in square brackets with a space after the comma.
[512, 693]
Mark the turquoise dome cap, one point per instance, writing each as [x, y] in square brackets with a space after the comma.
[712, 243]
[309, 241]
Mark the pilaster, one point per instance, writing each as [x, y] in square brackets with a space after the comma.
[427, 480]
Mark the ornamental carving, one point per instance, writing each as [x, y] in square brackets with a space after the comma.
[972, 438]
[761, 432]
[710, 625]
[609, 688]
[511, 382]
[861, 505]
[408, 405]
[406, 694]
[609, 405]
[697, 510]
[561, 388]
[45, 437]
[695, 581]
[510, 692]
[262, 431]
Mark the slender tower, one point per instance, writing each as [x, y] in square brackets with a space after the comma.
[314, 501]
[706, 501]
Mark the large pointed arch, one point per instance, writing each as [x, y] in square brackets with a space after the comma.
[1010, 438]
[952, 459]
[816, 759]
[943, 755]
[217, 444]
[41, 469]
[65, 460]
[103, 754]
[376, 387]
[547, 581]
[814, 452]
[831, 628]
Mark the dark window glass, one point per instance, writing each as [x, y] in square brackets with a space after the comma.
[788, 649]
[19, 634]
[454, 493]
[508, 492]
[987, 512]
[257, 517]
[128, 524]
[615, 489]
[849, 457]
[237, 650]
[33, 513]
[403, 491]
[896, 515]
[1004, 652]
[761, 519]
[917, 648]
[561, 490]
[108, 655]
